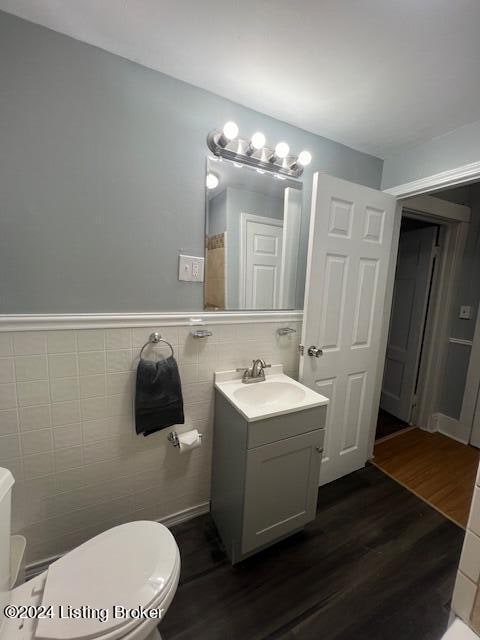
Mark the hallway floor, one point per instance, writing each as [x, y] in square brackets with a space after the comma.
[376, 564]
[433, 466]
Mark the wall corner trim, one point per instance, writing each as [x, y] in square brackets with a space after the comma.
[45, 322]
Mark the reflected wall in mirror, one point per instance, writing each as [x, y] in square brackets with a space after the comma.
[253, 222]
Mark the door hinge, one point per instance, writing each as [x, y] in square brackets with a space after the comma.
[301, 349]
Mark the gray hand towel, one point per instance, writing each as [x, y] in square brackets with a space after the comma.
[158, 396]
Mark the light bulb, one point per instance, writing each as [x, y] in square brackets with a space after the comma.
[304, 158]
[282, 150]
[230, 130]
[211, 181]
[258, 140]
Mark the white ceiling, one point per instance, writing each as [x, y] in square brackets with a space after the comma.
[373, 74]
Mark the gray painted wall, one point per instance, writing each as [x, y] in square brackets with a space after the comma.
[453, 386]
[217, 214]
[467, 293]
[468, 286]
[449, 151]
[102, 168]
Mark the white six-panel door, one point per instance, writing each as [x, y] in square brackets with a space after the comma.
[260, 261]
[350, 245]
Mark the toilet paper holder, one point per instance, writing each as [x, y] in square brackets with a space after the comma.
[173, 438]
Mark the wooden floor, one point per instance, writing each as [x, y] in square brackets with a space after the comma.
[436, 468]
[376, 564]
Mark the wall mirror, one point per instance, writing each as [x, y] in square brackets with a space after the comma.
[253, 221]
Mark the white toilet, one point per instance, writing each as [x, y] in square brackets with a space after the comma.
[459, 631]
[135, 566]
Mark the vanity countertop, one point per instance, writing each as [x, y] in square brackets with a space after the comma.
[277, 395]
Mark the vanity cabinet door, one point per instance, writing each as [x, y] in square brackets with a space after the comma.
[281, 488]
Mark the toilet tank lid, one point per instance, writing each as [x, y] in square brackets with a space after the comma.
[6, 482]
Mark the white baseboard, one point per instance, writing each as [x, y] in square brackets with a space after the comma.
[186, 514]
[448, 426]
[452, 436]
[37, 567]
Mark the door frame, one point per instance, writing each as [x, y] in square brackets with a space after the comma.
[225, 268]
[454, 220]
[242, 272]
[471, 404]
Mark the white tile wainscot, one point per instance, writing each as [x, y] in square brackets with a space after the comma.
[468, 575]
[67, 433]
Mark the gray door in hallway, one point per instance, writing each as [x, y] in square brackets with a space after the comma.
[413, 279]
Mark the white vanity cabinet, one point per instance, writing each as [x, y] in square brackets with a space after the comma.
[265, 475]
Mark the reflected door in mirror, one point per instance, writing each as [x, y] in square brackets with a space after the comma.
[252, 243]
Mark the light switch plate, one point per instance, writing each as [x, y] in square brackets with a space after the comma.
[465, 312]
[191, 268]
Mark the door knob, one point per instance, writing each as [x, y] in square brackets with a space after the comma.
[314, 352]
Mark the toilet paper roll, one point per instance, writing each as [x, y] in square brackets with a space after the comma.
[189, 440]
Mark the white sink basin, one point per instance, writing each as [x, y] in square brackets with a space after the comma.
[277, 395]
[268, 394]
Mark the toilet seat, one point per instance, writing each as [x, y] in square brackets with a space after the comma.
[132, 565]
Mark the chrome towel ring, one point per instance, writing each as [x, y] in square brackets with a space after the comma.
[155, 338]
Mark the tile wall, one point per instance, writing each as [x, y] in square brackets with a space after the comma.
[468, 576]
[66, 426]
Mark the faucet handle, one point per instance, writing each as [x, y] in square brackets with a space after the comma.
[246, 371]
[264, 364]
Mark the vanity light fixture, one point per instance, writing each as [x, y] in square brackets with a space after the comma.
[257, 142]
[229, 133]
[211, 181]
[281, 151]
[303, 160]
[255, 153]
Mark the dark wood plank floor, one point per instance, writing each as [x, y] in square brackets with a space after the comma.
[388, 425]
[377, 563]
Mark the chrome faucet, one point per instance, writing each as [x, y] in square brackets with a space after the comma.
[256, 372]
